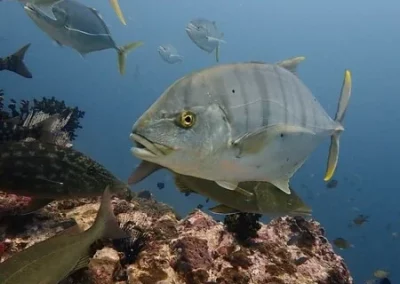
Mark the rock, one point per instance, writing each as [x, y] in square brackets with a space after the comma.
[196, 249]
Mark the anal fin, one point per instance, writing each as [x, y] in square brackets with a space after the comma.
[223, 209]
[282, 184]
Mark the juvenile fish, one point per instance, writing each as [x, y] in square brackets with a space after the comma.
[169, 54]
[239, 122]
[79, 27]
[48, 172]
[15, 62]
[205, 35]
[54, 259]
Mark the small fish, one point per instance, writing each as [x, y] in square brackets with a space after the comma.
[205, 35]
[52, 260]
[79, 27]
[160, 185]
[15, 62]
[380, 273]
[48, 172]
[360, 219]
[239, 122]
[169, 54]
[342, 243]
[333, 183]
[265, 198]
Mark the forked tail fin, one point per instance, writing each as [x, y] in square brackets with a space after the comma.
[340, 114]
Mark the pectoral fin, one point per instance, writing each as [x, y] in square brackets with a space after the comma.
[46, 9]
[282, 184]
[234, 186]
[253, 143]
[223, 209]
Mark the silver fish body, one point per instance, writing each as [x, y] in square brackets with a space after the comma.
[238, 122]
[205, 35]
[169, 54]
[79, 27]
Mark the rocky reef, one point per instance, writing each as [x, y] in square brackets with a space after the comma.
[166, 249]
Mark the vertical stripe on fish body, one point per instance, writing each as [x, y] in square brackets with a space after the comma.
[250, 122]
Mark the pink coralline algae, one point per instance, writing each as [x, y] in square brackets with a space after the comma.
[195, 249]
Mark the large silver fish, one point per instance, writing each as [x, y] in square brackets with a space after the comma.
[239, 122]
[265, 199]
[205, 35]
[79, 27]
[169, 54]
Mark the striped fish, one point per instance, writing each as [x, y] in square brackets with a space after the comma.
[239, 122]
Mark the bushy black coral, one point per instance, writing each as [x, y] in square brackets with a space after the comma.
[47, 105]
[243, 225]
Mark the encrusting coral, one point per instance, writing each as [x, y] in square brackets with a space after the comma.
[195, 249]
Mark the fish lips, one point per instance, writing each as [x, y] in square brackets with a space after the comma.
[146, 149]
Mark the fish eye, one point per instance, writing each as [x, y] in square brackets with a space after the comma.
[187, 119]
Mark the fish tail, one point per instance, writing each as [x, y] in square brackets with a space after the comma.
[123, 52]
[118, 11]
[340, 114]
[106, 225]
[15, 62]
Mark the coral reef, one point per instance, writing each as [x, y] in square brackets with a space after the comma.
[47, 105]
[196, 249]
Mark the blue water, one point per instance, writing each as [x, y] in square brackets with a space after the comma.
[362, 36]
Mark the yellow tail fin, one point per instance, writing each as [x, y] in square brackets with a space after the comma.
[340, 113]
[122, 53]
[118, 11]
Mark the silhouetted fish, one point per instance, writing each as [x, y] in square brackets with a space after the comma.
[15, 62]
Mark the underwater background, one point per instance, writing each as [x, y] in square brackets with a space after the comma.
[362, 36]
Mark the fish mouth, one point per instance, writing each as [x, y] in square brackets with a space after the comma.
[146, 149]
[190, 27]
[29, 8]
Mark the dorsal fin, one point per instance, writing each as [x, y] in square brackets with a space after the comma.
[291, 63]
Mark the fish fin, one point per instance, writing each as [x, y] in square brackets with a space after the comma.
[46, 9]
[180, 57]
[340, 114]
[234, 186]
[282, 184]
[106, 225]
[291, 63]
[223, 209]
[214, 39]
[122, 53]
[227, 184]
[82, 262]
[181, 185]
[252, 143]
[36, 204]
[217, 53]
[17, 64]
[118, 11]
[51, 127]
[142, 171]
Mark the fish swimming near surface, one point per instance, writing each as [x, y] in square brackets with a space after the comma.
[205, 35]
[265, 198]
[79, 27]
[169, 54]
[52, 260]
[239, 122]
[15, 62]
[47, 172]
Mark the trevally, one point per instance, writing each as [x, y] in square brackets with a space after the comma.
[48, 172]
[52, 260]
[205, 35]
[169, 54]
[79, 27]
[239, 122]
[46, 7]
[15, 62]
